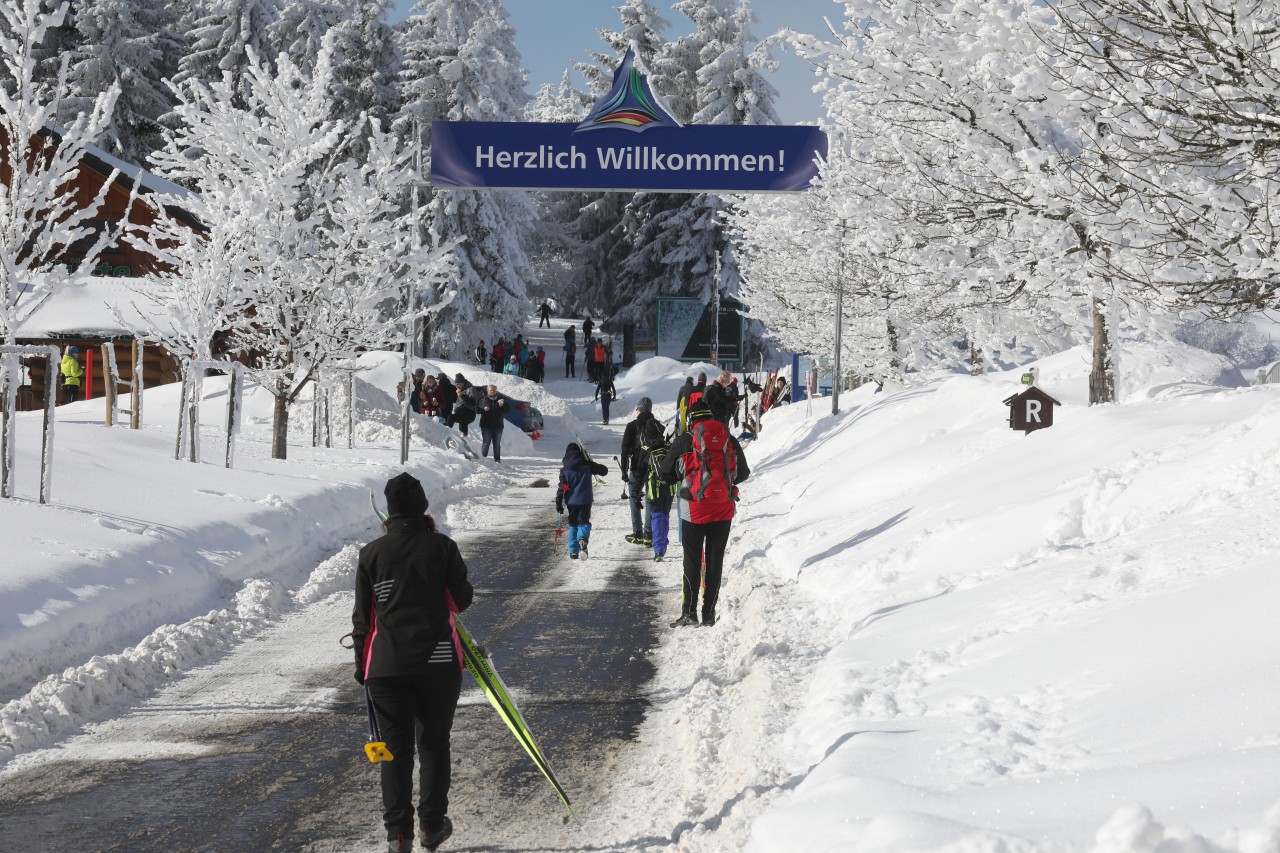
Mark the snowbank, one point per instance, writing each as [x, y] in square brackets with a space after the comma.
[1016, 635]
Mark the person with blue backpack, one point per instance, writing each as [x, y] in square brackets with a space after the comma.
[708, 464]
[575, 492]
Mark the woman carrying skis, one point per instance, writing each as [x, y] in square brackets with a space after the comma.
[575, 491]
[407, 582]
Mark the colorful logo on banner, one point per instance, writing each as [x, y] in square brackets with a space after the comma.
[630, 104]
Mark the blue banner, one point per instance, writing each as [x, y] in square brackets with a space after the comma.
[565, 156]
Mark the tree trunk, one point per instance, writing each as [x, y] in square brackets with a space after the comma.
[1102, 375]
[976, 365]
[628, 344]
[6, 437]
[280, 429]
[894, 361]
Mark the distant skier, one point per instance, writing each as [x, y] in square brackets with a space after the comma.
[406, 582]
[708, 463]
[605, 392]
[574, 491]
[544, 313]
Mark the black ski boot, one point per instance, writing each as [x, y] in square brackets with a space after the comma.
[688, 618]
[708, 614]
[432, 839]
[400, 844]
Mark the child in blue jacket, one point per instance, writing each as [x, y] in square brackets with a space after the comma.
[575, 492]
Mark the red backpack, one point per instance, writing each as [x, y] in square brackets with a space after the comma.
[710, 469]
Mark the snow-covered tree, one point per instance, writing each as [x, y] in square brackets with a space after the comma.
[674, 244]
[1187, 99]
[461, 64]
[642, 30]
[226, 34]
[128, 45]
[971, 154]
[366, 63]
[40, 221]
[318, 246]
[299, 31]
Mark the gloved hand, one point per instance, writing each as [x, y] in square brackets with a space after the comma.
[625, 496]
[359, 676]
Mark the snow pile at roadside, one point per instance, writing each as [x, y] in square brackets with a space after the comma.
[61, 702]
[134, 539]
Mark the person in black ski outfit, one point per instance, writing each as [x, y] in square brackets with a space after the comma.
[544, 312]
[635, 470]
[407, 582]
[605, 392]
[464, 410]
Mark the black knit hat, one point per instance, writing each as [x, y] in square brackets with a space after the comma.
[405, 496]
[700, 411]
[459, 378]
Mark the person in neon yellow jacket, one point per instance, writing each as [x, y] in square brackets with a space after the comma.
[72, 373]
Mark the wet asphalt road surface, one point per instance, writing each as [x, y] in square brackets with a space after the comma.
[576, 660]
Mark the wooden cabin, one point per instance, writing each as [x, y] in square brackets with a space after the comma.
[82, 315]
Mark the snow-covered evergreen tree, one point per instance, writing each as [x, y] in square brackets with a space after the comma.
[225, 37]
[674, 244]
[128, 44]
[366, 64]
[461, 64]
[300, 30]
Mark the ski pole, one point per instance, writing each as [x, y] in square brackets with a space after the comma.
[559, 527]
[376, 748]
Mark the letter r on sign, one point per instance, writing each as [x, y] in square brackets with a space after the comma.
[1033, 411]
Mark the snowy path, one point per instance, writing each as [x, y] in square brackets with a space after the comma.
[261, 749]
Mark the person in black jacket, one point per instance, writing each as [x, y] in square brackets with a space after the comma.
[492, 407]
[605, 392]
[464, 410]
[717, 397]
[635, 470]
[448, 398]
[407, 582]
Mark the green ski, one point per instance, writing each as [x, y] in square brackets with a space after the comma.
[481, 668]
[495, 690]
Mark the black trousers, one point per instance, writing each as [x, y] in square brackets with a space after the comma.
[698, 539]
[416, 711]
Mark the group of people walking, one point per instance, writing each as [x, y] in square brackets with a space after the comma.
[697, 465]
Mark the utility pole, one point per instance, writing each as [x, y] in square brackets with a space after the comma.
[715, 309]
[836, 376]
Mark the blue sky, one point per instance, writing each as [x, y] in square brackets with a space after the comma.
[550, 34]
